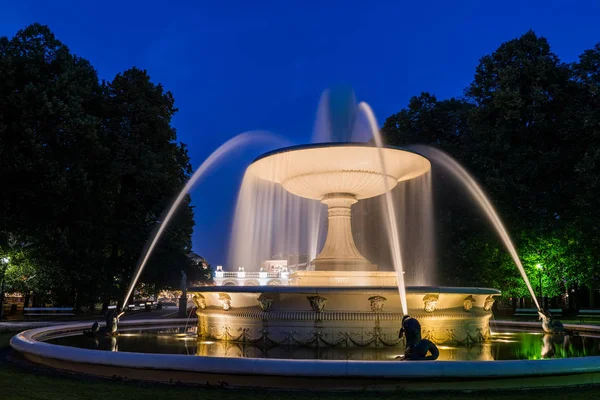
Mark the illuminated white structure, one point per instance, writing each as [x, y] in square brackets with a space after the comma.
[344, 301]
[243, 278]
[339, 176]
[275, 265]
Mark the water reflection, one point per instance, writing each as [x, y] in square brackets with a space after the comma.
[178, 340]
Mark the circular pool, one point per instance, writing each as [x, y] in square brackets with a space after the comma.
[170, 351]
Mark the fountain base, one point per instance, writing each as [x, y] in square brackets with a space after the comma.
[340, 316]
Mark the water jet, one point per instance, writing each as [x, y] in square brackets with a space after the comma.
[336, 324]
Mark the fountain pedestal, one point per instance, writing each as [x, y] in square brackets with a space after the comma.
[339, 252]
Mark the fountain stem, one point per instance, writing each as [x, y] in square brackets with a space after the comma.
[339, 252]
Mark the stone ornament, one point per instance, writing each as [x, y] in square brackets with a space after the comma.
[377, 303]
[317, 303]
[488, 303]
[199, 301]
[265, 302]
[431, 301]
[468, 303]
[225, 300]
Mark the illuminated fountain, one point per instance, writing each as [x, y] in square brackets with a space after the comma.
[338, 175]
[345, 300]
[336, 324]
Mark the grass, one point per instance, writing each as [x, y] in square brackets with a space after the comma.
[22, 383]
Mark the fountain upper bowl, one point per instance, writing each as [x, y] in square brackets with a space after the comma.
[359, 169]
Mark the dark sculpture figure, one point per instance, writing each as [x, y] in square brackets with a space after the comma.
[549, 324]
[411, 328]
[94, 331]
[112, 319]
[548, 349]
[420, 351]
[416, 347]
[114, 344]
[551, 342]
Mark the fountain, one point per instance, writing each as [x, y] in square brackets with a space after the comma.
[344, 300]
[336, 323]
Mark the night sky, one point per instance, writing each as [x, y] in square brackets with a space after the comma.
[235, 66]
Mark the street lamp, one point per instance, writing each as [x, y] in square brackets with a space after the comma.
[5, 261]
[540, 268]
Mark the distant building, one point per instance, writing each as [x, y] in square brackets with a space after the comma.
[295, 262]
[275, 265]
[261, 278]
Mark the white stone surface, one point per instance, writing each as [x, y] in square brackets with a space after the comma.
[347, 316]
[314, 171]
[339, 175]
[27, 342]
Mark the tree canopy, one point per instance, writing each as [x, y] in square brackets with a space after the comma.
[528, 127]
[86, 169]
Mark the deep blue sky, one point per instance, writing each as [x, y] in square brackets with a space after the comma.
[252, 64]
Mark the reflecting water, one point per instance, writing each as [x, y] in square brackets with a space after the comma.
[178, 340]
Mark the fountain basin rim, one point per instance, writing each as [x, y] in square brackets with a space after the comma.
[330, 144]
[349, 289]
[28, 343]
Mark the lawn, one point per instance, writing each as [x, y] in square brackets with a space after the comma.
[20, 383]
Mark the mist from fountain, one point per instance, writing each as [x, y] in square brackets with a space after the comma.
[391, 226]
[282, 223]
[232, 144]
[453, 167]
[412, 203]
[271, 213]
[416, 228]
[270, 222]
[322, 133]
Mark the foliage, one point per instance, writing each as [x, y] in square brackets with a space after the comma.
[529, 128]
[87, 168]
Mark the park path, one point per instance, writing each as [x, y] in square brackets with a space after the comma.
[18, 326]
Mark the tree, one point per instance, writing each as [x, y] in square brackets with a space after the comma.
[429, 121]
[528, 129]
[144, 157]
[48, 139]
[86, 168]
[586, 199]
[443, 124]
[524, 131]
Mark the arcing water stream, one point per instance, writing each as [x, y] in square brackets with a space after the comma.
[452, 166]
[282, 222]
[232, 144]
[391, 226]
